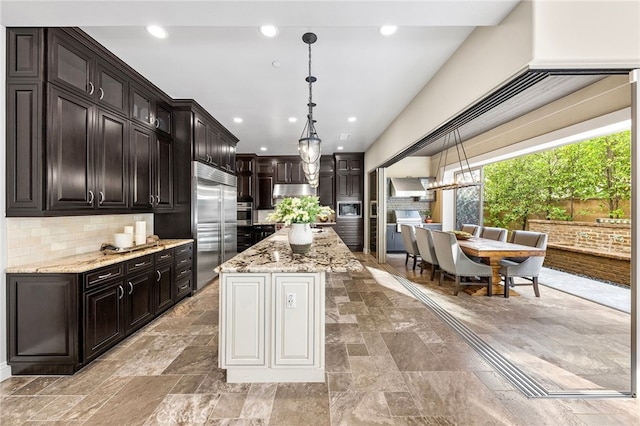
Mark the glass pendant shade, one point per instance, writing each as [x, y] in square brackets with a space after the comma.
[309, 148]
[311, 168]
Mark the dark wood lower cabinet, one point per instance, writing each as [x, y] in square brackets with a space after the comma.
[58, 323]
[104, 318]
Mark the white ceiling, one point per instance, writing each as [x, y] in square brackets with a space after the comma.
[215, 55]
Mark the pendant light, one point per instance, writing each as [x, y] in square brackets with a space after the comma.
[309, 143]
[466, 176]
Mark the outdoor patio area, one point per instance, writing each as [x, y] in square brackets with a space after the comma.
[564, 342]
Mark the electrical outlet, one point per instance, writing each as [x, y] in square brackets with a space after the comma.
[291, 300]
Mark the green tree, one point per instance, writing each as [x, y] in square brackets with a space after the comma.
[613, 154]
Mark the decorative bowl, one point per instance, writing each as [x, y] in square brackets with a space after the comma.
[461, 235]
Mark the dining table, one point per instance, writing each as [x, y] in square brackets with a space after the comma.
[492, 252]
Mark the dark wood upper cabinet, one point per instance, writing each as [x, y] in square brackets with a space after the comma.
[289, 170]
[349, 176]
[264, 183]
[326, 182]
[142, 106]
[112, 90]
[141, 145]
[71, 65]
[69, 134]
[111, 161]
[163, 118]
[27, 58]
[163, 174]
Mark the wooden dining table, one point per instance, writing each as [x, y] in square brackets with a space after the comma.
[493, 252]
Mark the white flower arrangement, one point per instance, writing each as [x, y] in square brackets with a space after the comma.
[299, 210]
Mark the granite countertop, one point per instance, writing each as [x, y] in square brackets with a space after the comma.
[314, 224]
[327, 254]
[93, 260]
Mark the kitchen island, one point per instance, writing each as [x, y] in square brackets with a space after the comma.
[272, 308]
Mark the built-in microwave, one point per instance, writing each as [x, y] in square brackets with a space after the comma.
[245, 213]
[349, 209]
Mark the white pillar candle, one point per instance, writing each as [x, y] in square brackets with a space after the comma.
[128, 230]
[141, 239]
[141, 228]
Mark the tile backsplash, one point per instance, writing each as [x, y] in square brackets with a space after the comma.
[32, 240]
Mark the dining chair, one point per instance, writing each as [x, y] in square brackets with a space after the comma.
[410, 244]
[471, 229]
[524, 267]
[455, 263]
[424, 239]
[497, 234]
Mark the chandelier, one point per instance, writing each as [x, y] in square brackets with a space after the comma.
[465, 177]
[309, 143]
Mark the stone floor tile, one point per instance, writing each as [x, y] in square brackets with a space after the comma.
[229, 405]
[301, 404]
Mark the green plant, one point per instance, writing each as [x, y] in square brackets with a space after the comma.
[616, 214]
[299, 210]
[426, 213]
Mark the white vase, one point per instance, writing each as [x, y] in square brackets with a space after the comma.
[300, 237]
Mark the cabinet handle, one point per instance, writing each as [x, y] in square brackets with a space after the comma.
[139, 264]
[184, 286]
[101, 93]
[157, 122]
[121, 291]
[101, 277]
[165, 256]
[157, 200]
[152, 199]
[130, 287]
[184, 261]
[101, 198]
[90, 197]
[185, 271]
[159, 275]
[92, 89]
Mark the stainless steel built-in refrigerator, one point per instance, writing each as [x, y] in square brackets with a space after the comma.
[214, 219]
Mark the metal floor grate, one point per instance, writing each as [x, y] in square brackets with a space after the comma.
[519, 379]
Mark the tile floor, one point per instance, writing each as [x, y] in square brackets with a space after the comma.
[389, 361]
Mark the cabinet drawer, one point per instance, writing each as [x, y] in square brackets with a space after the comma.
[164, 256]
[99, 276]
[139, 263]
[183, 287]
[184, 262]
[183, 271]
[184, 250]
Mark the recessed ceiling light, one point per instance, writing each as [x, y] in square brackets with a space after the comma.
[275, 64]
[340, 148]
[387, 30]
[157, 31]
[269, 30]
[237, 120]
[263, 148]
[351, 119]
[292, 119]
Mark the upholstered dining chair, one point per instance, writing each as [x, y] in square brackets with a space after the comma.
[455, 263]
[524, 267]
[427, 252]
[410, 244]
[497, 234]
[471, 229]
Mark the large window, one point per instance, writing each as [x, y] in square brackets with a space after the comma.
[469, 200]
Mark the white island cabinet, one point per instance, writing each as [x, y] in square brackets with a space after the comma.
[272, 309]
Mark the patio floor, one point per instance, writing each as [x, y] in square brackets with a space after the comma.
[564, 342]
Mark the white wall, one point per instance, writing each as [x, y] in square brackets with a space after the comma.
[586, 34]
[411, 167]
[4, 369]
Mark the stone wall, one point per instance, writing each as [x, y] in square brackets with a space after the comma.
[598, 250]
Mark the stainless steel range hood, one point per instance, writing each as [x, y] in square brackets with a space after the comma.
[284, 190]
[408, 187]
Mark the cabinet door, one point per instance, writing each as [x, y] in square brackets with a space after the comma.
[297, 173]
[163, 298]
[343, 185]
[231, 155]
[104, 319]
[139, 300]
[283, 172]
[163, 118]
[71, 64]
[200, 134]
[213, 147]
[110, 161]
[142, 106]
[112, 88]
[245, 187]
[243, 309]
[296, 319]
[265, 192]
[69, 133]
[163, 198]
[356, 185]
[325, 190]
[141, 149]
[244, 164]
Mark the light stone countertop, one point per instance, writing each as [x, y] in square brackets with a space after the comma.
[88, 261]
[327, 254]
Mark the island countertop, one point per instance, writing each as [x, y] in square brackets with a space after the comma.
[93, 260]
[327, 254]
